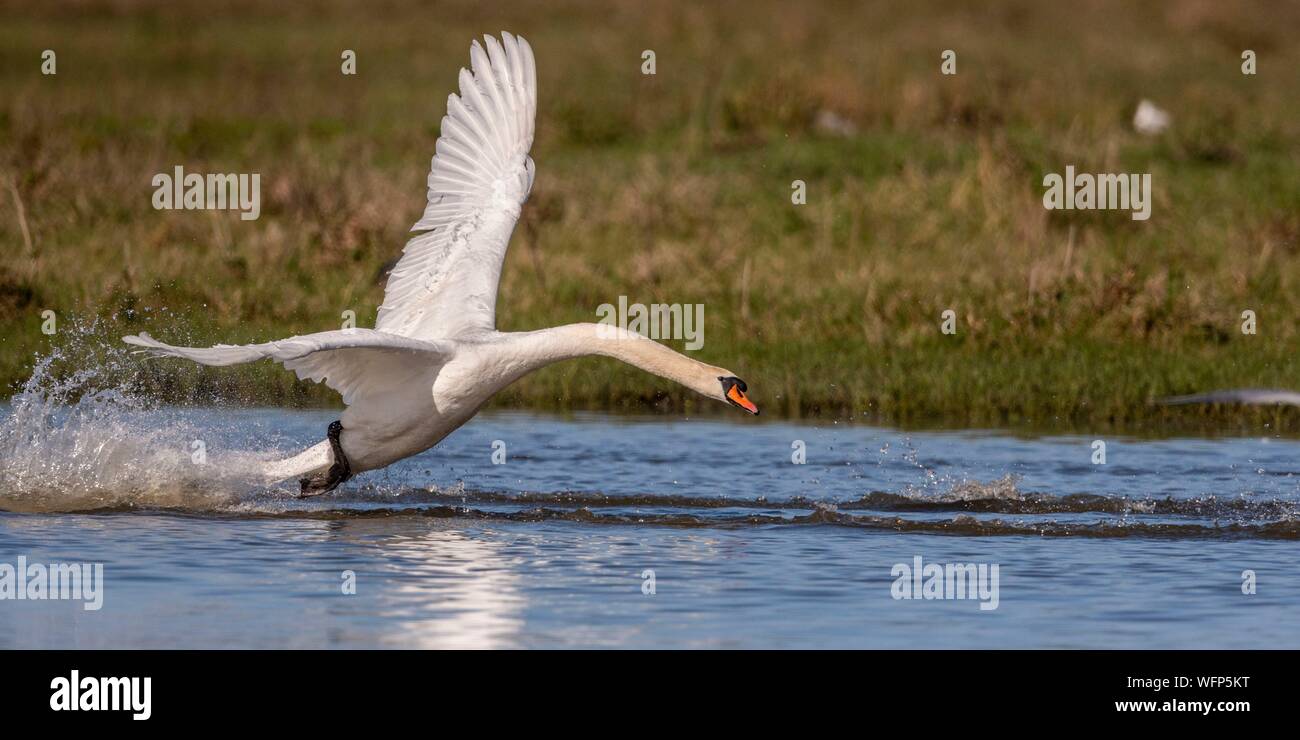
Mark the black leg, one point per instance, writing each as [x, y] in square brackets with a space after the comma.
[340, 471]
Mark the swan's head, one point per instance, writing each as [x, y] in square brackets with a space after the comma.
[733, 392]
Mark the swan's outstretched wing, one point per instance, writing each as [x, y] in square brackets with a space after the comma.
[446, 281]
[351, 361]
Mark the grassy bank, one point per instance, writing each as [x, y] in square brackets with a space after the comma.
[676, 188]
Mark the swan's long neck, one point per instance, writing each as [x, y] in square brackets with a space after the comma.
[540, 348]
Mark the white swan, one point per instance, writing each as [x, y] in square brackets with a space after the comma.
[435, 356]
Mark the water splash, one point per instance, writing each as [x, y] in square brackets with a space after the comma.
[82, 439]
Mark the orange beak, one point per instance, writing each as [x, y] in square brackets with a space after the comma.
[737, 397]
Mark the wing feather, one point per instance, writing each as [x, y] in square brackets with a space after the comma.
[446, 282]
[354, 362]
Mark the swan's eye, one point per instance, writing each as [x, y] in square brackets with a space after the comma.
[728, 382]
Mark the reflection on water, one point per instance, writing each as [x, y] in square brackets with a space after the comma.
[451, 590]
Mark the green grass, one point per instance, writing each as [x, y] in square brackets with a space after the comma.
[675, 188]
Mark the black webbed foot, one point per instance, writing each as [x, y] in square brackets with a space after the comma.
[340, 471]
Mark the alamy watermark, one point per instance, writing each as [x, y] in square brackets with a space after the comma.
[94, 694]
[1085, 192]
[656, 321]
[195, 192]
[56, 581]
[919, 580]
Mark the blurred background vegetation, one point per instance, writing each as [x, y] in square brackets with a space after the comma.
[923, 193]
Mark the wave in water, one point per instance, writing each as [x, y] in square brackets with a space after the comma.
[961, 525]
[997, 497]
[1208, 518]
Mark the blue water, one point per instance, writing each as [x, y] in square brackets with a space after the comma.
[553, 547]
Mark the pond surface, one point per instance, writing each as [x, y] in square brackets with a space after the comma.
[602, 531]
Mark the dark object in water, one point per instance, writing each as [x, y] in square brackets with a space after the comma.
[1248, 396]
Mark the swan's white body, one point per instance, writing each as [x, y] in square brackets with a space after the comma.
[435, 357]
